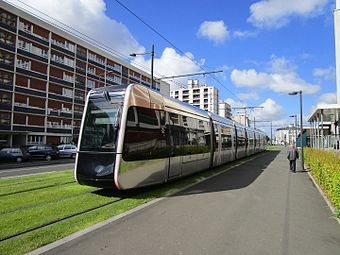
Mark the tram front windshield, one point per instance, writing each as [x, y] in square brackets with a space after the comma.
[101, 125]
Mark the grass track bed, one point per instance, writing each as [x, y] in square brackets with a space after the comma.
[31, 213]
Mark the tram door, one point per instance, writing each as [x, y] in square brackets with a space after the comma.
[175, 159]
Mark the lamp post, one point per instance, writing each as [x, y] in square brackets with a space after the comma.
[301, 125]
[295, 126]
[152, 53]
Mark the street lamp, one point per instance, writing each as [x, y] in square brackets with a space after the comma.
[295, 126]
[152, 53]
[293, 94]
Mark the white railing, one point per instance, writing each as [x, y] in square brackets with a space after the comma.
[66, 45]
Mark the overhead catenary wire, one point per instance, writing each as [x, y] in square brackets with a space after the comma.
[174, 46]
[79, 34]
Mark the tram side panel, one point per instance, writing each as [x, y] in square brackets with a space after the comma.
[146, 149]
[241, 143]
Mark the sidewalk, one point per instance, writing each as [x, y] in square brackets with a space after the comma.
[256, 208]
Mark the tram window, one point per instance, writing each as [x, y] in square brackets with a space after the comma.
[147, 139]
[189, 137]
[174, 118]
[226, 136]
[217, 140]
[203, 137]
[147, 117]
[100, 126]
[241, 140]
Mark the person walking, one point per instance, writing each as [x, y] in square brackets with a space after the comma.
[292, 156]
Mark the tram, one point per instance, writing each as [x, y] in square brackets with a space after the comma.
[132, 136]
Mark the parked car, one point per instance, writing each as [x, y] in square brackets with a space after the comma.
[13, 154]
[67, 150]
[47, 152]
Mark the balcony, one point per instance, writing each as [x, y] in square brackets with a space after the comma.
[65, 47]
[21, 107]
[115, 67]
[24, 67]
[95, 60]
[63, 62]
[32, 50]
[27, 31]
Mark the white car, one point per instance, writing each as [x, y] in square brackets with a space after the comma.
[67, 150]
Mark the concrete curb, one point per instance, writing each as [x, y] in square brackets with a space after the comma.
[331, 207]
[71, 237]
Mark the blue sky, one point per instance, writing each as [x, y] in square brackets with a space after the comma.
[266, 48]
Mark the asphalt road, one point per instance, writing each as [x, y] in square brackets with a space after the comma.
[256, 208]
[34, 167]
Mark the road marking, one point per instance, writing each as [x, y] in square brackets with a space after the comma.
[35, 168]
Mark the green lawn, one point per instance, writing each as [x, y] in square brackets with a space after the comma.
[32, 201]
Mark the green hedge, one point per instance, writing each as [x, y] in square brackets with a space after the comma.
[325, 168]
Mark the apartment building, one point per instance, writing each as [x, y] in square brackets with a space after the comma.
[202, 96]
[45, 75]
[224, 109]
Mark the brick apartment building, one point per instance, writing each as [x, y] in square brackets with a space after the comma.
[45, 74]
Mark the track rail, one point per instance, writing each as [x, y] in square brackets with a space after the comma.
[61, 219]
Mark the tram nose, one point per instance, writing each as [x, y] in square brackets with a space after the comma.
[96, 169]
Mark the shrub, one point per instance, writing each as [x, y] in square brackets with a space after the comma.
[325, 167]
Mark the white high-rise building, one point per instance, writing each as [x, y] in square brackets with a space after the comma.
[224, 109]
[202, 96]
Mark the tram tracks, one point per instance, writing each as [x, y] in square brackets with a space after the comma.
[56, 221]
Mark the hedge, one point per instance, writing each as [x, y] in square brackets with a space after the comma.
[325, 168]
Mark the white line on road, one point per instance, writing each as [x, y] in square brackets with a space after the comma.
[35, 168]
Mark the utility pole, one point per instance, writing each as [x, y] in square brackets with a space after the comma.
[271, 129]
[245, 111]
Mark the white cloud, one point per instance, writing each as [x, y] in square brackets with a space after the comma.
[271, 111]
[273, 14]
[170, 63]
[234, 103]
[280, 65]
[248, 96]
[327, 74]
[280, 78]
[327, 98]
[244, 34]
[88, 17]
[215, 31]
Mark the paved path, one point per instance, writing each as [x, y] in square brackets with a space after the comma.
[257, 208]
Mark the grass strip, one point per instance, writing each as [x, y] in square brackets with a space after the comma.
[41, 177]
[10, 190]
[33, 217]
[35, 239]
[39, 197]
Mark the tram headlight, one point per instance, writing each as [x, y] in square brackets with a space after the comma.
[104, 170]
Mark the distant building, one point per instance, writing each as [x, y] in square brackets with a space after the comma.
[224, 110]
[325, 119]
[45, 75]
[244, 120]
[202, 96]
[285, 135]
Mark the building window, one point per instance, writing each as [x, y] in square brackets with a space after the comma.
[7, 38]
[5, 98]
[6, 58]
[5, 118]
[34, 139]
[6, 78]
[8, 19]
[90, 84]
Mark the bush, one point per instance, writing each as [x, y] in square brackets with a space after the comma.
[325, 168]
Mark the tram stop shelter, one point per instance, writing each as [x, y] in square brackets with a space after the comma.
[324, 122]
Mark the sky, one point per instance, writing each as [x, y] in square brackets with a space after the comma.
[266, 48]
